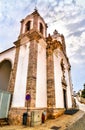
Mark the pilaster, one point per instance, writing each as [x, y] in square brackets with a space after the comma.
[50, 76]
[50, 82]
[14, 69]
[32, 69]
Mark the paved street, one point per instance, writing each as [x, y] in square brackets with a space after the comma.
[60, 123]
[79, 125]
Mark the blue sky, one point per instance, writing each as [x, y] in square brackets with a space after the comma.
[66, 16]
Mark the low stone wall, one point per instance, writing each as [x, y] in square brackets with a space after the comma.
[16, 115]
[54, 113]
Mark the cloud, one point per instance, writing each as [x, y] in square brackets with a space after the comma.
[11, 12]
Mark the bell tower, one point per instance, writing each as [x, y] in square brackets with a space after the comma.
[29, 72]
[33, 22]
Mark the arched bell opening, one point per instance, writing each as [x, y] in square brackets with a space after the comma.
[28, 26]
[41, 28]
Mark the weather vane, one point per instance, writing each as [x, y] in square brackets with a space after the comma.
[35, 4]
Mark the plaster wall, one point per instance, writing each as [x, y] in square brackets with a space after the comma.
[68, 81]
[41, 87]
[58, 85]
[21, 77]
[69, 94]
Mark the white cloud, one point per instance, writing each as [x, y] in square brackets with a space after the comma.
[81, 2]
[76, 61]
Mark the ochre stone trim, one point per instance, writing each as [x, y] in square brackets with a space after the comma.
[35, 22]
[63, 80]
[50, 82]
[32, 35]
[13, 72]
[52, 45]
[54, 112]
[32, 70]
[16, 114]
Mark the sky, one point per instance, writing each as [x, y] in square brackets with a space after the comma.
[66, 16]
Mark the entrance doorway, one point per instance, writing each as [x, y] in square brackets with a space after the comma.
[5, 70]
[64, 96]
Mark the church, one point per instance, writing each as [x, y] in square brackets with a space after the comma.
[36, 65]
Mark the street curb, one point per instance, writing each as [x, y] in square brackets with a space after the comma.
[75, 122]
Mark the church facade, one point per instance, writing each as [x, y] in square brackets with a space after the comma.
[37, 65]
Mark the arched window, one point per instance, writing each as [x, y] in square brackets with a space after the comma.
[41, 28]
[28, 26]
[5, 70]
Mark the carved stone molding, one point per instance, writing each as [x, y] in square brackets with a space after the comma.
[17, 43]
[64, 81]
[52, 45]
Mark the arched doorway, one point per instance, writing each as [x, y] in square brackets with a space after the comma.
[5, 70]
[64, 96]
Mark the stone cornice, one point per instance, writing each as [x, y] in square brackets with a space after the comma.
[32, 35]
[17, 43]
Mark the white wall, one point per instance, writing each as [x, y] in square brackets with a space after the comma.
[68, 81]
[8, 55]
[21, 77]
[41, 87]
[58, 86]
[69, 94]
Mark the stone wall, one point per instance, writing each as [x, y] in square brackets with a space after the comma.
[16, 115]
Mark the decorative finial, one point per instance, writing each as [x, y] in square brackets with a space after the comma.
[55, 32]
[35, 8]
[35, 5]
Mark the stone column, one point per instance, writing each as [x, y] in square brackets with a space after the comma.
[50, 82]
[32, 69]
[50, 78]
[14, 69]
[21, 30]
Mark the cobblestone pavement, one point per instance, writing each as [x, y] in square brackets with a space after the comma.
[60, 123]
